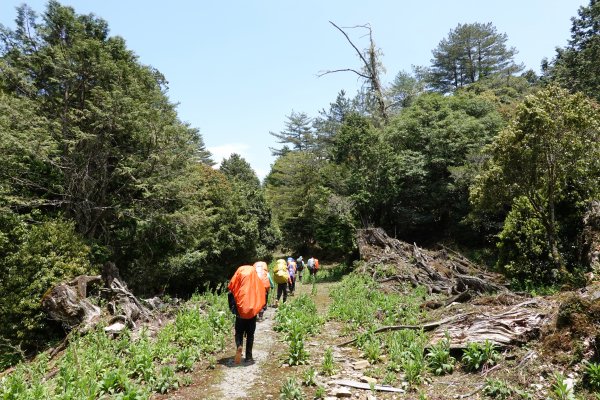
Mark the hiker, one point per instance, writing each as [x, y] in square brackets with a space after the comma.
[262, 270]
[281, 277]
[246, 299]
[291, 266]
[299, 268]
[311, 267]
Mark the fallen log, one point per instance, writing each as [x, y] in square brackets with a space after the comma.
[366, 386]
[425, 327]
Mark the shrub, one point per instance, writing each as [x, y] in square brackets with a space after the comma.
[34, 258]
[479, 355]
[439, 359]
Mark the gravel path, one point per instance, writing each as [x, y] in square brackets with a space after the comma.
[237, 379]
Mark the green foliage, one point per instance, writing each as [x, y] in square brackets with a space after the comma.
[434, 144]
[548, 157]
[560, 389]
[309, 376]
[524, 254]
[94, 366]
[291, 390]
[439, 359]
[479, 355]
[592, 375]
[575, 66]
[328, 366]
[356, 300]
[297, 319]
[497, 389]
[471, 52]
[34, 257]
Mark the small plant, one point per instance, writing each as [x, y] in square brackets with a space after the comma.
[372, 349]
[320, 392]
[309, 376]
[592, 375]
[480, 355]
[297, 355]
[166, 380]
[328, 365]
[439, 359]
[212, 361]
[497, 389]
[185, 360]
[560, 389]
[291, 390]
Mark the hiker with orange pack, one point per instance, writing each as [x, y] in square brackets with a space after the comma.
[262, 269]
[246, 299]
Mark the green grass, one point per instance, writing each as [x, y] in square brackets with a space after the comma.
[95, 366]
[296, 319]
[358, 302]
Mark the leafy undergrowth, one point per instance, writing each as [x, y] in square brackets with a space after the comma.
[95, 366]
[404, 359]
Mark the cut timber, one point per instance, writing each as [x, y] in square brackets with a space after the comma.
[366, 386]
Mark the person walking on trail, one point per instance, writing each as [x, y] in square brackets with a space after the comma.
[291, 265]
[262, 270]
[281, 277]
[300, 268]
[311, 267]
[246, 299]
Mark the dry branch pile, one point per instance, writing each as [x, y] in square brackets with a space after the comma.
[505, 318]
[438, 271]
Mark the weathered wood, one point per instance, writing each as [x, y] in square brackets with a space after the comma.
[425, 327]
[66, 303]
[366, 386]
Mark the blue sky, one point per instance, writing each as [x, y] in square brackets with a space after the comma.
[238, 68]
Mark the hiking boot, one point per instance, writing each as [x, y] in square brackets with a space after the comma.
[238, 355]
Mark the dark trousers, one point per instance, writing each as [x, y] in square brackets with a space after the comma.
[282, 289]
[245, 327]
[292, 284]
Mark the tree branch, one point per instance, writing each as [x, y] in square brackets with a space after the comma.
[320, 74]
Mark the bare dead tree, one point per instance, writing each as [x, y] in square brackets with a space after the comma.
[371, 68]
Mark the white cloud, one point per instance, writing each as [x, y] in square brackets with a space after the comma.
[225, 150]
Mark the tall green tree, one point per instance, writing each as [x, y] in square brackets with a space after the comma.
[298, 134]
[548, 155]
[470, 52]
[115, 151]
[577, 66]
[433, 143]
[252, 206]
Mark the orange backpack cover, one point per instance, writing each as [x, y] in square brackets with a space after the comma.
[248, 291]
[316, 263]
[262, 269]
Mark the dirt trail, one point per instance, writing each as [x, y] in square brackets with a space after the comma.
[238, 379]
[259, 379]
